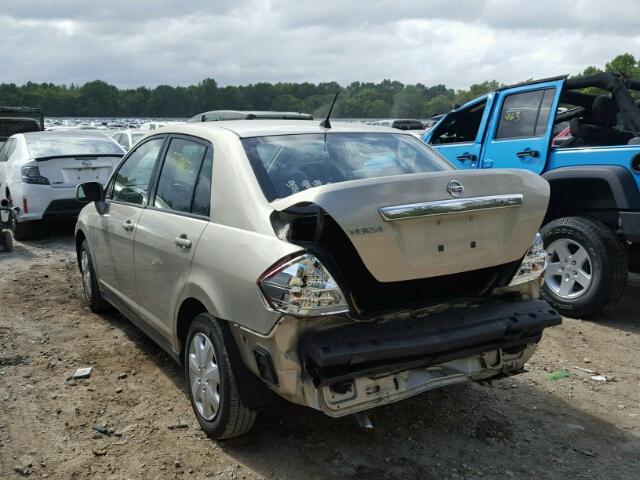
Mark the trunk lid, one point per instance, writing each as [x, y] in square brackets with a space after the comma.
[407, 227]
[64, 172]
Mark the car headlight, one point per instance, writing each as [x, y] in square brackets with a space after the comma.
[302, 286]
[533, 264]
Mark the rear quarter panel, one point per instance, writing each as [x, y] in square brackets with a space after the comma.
[225, 268]
[620, 155]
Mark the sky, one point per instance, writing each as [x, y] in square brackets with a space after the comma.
[131, 43]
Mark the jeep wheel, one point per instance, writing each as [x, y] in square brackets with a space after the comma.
[7, 240]
[587, 267]
[212, 384]
[92, 295]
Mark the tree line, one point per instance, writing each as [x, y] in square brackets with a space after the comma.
[387, 98]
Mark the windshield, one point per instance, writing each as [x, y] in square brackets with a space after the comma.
[136, 136]
[51, 146]
[287, 164]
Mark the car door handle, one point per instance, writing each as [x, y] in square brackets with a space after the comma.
[127, 225]
[527, 152]
[466, 157]
[182, 242]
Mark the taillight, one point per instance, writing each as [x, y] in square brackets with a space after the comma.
[25, 206]
[32, 175]
[304, 287]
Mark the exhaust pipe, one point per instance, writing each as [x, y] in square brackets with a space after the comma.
[363, 420]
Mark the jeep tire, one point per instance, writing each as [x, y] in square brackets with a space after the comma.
[587, 268]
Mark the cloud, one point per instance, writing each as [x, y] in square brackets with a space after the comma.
[246, 41]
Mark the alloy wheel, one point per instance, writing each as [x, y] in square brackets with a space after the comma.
[569, 270]
[204, 376]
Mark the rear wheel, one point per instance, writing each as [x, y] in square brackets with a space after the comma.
[212, 385]
[587, 268]
[92, 295]
[7, 241]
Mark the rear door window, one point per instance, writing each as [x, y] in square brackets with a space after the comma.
[525, 114]
[179, 175]
[202, 195]
[131, 182]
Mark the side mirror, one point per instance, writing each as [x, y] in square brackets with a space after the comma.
[90, 192]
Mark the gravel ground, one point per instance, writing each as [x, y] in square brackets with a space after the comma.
[552, 422]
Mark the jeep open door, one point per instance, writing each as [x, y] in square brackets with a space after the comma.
[459, 135]
[519, 133]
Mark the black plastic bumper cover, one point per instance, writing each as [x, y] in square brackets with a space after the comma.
[66, 208]
[444, 336]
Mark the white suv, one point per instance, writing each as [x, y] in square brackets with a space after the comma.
[39, 172]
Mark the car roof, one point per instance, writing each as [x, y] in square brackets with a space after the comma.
[53, 134]
[248, 115]
[250, 128]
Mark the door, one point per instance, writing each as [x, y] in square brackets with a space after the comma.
[126, 198]
[521, 126]
[458, 137]
[170, 228]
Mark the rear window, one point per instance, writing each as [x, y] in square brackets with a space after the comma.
[62, 146]
[287, 164]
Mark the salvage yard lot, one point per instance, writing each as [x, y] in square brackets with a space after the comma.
[552, 422]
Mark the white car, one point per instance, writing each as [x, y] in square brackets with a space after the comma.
[128, 138]
[39, 172]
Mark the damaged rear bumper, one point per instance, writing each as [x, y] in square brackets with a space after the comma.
[340, 367]
[342, 353]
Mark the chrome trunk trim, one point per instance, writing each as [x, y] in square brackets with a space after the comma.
[448, 207]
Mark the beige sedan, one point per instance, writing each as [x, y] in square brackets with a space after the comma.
[340, 268]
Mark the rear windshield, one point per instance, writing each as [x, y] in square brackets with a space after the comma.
[287, 164]
[62, 146]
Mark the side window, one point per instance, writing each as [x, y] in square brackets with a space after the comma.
[525, 114]
[460, 127]
[7, 149]
[202, 195]
[179, 174]
[132, 179]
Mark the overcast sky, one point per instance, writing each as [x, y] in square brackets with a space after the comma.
[143, 42]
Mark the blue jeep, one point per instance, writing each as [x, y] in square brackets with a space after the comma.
[582, 134]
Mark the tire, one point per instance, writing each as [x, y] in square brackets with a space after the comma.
[583, 288]
[232, 418]
[92, 295]
[7, 241]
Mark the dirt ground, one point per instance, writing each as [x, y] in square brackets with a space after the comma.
[534, 426]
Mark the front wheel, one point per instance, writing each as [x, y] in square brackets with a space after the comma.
[587, 267]
[92, 294]
[213, 388]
